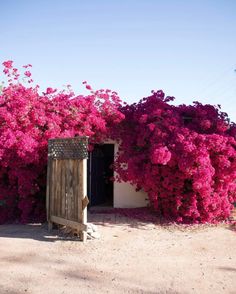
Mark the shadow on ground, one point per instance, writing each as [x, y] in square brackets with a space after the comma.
[37, 232]
[108, 218]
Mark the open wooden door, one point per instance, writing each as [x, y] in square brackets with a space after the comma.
[67, 183]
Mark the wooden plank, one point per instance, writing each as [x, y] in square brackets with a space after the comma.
[56, 187]
[52, 192]
[63, 188]
[68, 173]
[66, 187]
[84, 193]
[84, 211]
[75, 189]
[69, 223]
[81, 192]
[69, 189]
[72, 194]
[59, 192]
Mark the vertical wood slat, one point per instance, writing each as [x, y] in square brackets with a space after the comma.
[59, 192]
[63, 188]
[81, 191]
[56, 187]
[71, 191]
[67, 190]
[78, 191]
[52, 200]
[66, 199]
[75, 190]
[84, 195]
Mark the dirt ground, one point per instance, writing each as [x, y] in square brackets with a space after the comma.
[130, 257]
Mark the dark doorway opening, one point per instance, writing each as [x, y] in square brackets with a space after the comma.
[100, 172]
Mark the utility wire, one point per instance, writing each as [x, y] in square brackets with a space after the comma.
[217, 79]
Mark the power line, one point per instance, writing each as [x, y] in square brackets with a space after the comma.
[212, 82]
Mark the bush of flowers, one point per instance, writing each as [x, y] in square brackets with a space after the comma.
[184, 157]
[27, 120]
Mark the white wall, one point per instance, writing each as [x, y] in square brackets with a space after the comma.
[125, 195]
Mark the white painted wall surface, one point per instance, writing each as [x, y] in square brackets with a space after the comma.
[125, 195]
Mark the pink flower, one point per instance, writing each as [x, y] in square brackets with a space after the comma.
[151, 127]
[28, 65]
[50, 91]
[161, 155]
[8, 64]
[27, 74]
[205, 124]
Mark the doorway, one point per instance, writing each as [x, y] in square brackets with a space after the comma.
[100, 174]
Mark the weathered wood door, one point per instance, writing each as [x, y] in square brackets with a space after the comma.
[67, 183]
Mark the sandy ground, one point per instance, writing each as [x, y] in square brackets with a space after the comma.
[130, 257]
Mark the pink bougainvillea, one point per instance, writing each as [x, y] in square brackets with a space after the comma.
[27, 120]
[183, 156]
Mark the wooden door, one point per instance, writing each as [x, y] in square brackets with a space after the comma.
[67, 183]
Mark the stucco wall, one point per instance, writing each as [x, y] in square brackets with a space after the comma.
[125, 195]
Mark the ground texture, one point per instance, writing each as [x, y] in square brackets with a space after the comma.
[130, 257]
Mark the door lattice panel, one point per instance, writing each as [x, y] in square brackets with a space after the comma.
[69, 148]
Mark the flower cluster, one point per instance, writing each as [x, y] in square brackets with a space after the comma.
[184, 157]
[27, 120]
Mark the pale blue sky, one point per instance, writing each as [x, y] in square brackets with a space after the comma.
[186, 48]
